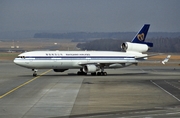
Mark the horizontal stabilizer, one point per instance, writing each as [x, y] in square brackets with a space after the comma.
[166, 59]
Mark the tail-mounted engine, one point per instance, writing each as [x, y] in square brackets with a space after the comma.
[134, 47]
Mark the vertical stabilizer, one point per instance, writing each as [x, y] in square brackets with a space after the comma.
[141, 36]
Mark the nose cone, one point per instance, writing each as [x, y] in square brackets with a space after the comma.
[16, 61]
[19, 62]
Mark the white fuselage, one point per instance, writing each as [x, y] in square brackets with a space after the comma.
[73, 59]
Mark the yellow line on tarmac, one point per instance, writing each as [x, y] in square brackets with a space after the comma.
[23, 84]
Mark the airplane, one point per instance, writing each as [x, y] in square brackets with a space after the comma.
[93, 62]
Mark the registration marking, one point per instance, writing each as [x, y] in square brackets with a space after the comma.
[23, 84]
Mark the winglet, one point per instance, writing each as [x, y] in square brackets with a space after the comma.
[166, 59]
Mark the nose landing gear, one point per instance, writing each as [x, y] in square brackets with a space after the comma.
[35, 72]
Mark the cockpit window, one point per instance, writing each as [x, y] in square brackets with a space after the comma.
[22, 57]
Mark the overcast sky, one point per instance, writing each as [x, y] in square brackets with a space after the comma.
[89, 15]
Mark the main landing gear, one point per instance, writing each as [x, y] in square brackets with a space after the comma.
[35, 72]
[102, 73]
[81, 72]
[99, 73]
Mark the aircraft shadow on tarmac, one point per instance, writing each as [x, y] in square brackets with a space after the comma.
[88, 75]
[74, 74]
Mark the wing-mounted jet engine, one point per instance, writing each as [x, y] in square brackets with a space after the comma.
[90, 68]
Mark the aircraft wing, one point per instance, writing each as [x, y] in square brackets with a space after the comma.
[109, 63]
[97, 64]
[163, 61]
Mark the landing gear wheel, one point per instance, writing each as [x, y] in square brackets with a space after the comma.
[35, 72]
[105, 73]
[98, 73]
[78, 73]
[101, 73]
[81, 73]
[93, 73]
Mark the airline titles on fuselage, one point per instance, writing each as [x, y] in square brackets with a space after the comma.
[59, 54]
[77, 54]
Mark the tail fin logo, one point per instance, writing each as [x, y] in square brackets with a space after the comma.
[140, 37]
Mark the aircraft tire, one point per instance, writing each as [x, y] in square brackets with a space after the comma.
[93, 73]
[105, 73]
[98, 73]
[102, 73]
[81, 73]
[34, 74]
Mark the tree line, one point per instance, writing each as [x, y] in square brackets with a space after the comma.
[163, 41]
[79, 36]
[160, 45]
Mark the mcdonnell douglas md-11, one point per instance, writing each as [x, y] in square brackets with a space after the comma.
[93, 62]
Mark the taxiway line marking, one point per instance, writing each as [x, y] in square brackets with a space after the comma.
[166, 91]
[23, 84]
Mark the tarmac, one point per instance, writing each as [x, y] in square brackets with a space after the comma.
[131, 92]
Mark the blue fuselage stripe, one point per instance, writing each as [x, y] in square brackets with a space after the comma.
[79, 57]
